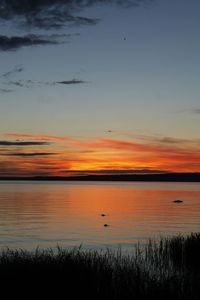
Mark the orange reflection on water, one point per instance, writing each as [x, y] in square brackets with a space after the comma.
[69, 214]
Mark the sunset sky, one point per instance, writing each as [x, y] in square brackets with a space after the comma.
[99, 86]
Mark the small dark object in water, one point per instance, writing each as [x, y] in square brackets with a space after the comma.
[178, 201]
[106, 225]
[103, 215]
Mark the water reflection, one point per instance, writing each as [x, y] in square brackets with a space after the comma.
[68, 214]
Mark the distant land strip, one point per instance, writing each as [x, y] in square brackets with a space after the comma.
[166, 177]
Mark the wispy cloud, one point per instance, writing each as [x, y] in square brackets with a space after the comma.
[40, 137]
[16, 69]
[10, 81]
[156, 139]
[5, 91]
[196, 111]
[33, 83]
[169, 140]
[143, 143]
[193, 110]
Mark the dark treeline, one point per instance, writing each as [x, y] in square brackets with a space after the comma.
[168, 177]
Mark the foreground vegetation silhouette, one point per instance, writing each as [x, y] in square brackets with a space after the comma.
[167, 269]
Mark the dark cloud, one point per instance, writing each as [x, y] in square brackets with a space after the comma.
[55, 13]
[28, 154]
[73, 81]
[23, 143]
[15, 42]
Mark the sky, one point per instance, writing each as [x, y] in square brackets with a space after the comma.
[99, 86]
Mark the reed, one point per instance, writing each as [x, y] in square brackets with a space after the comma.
[167, 269]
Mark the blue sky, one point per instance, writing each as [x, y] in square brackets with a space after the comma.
[140, 67]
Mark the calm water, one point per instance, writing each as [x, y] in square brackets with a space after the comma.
[45, 214]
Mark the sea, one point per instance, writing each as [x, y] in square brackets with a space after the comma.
[95, 215]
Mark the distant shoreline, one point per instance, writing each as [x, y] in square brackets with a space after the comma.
[166, 177]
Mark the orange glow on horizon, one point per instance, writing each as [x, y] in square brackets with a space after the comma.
[59, 155]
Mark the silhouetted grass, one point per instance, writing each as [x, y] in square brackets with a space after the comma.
[168, 269]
